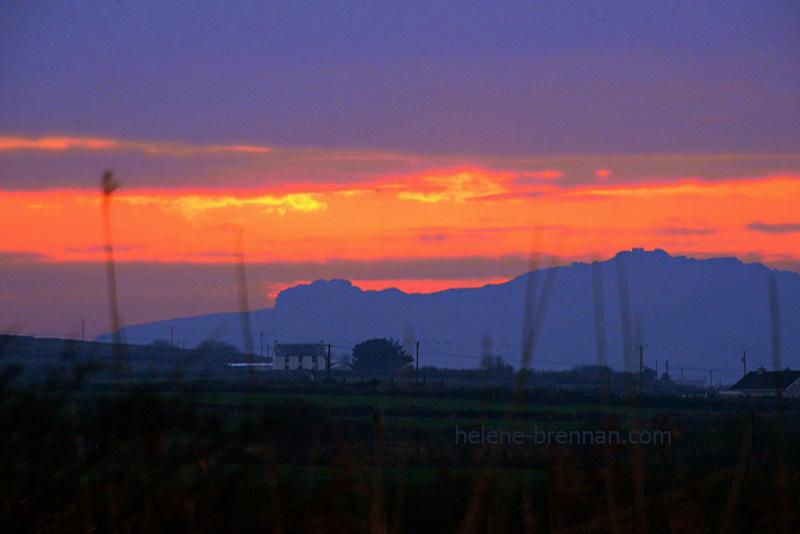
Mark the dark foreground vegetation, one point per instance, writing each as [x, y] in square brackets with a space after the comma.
[83, 450]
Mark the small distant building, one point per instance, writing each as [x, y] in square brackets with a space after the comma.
[769, 383]
[300, 356]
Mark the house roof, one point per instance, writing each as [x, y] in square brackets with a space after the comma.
[299, 349]
[762, 379]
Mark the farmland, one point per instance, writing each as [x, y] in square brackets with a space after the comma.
[82, 450]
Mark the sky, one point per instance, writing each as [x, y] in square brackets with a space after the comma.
[413, 145]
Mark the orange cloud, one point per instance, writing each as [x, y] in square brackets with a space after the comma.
[89, 143]
[453, 186]
[57, 143]
[427, 215]
[426, 179]
[192, 206]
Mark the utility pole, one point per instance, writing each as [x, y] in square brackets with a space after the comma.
[262, 344]
[744, 361]
[417, 362]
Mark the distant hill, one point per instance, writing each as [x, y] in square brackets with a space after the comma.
[698, 314]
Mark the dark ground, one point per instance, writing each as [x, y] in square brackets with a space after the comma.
[81, 450]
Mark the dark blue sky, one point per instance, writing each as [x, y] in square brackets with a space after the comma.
[480, 79]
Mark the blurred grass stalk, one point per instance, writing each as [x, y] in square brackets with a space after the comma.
[107, 186]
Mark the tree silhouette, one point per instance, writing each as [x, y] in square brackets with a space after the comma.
[380, 353]
[496, 364]
[213, 346]
[216, 354]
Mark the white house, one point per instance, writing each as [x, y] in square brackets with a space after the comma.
[759, 383]
[300, 356]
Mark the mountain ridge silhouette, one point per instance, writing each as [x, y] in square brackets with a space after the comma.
[696, 313]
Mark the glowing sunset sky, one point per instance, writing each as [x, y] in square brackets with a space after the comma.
[413, 147]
